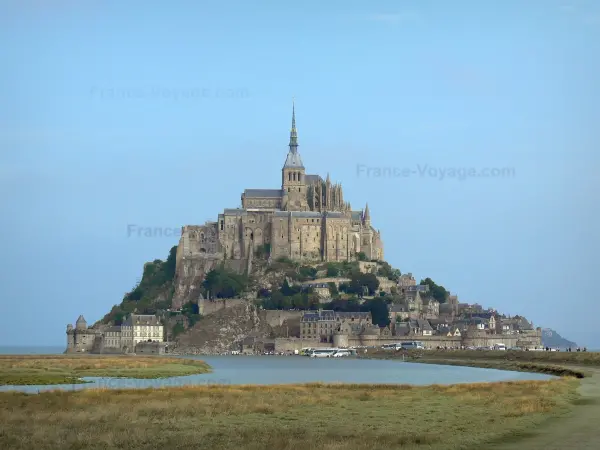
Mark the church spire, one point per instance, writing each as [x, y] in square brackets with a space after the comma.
[367, 215]
[293, 132]
[293, 159]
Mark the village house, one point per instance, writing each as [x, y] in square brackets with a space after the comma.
[321, 289]
[124, 338]
[322, 324]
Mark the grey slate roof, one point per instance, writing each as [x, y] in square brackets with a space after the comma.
[235, 211]
[293, 160]
[113, 329]
[349, 315]
[417, 288]
[318, 315]
[326, 314]
[397, 307]
[313, 179]
[424, 324]
[306, 214]
[263, 193]
[437, 322]
[356, 215]
[139, 319]
[402, 329]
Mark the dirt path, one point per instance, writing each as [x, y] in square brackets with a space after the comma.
[580, 430]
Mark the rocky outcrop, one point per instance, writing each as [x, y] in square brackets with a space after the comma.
[190, 274]
[223, 330]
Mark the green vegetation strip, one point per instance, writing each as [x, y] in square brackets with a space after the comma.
[315, 416]
[44, 370]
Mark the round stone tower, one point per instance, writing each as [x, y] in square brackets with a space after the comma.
[81, 324]
[70, 339]
[340, 340]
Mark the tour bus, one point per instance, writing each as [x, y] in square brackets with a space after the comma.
[339, 352]
[322, 352]
[413, 345]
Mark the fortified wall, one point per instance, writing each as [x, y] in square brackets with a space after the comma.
[206, 307]
[291, 344]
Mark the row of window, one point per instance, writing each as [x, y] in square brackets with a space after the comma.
[294, 176]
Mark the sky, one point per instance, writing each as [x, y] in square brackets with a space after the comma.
[124, 116]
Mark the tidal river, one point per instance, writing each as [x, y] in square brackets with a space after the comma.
[267, 370]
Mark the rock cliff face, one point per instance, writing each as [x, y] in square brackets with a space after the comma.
[220, 331]
[190, 274]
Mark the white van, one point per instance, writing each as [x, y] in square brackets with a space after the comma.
[414, 345]
[500, 347]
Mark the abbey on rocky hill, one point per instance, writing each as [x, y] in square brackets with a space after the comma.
[306, 219]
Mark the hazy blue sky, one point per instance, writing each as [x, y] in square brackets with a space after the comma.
[159, 114]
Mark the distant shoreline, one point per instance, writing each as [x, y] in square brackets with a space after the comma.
[573, 364]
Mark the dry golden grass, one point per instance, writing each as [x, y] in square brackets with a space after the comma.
[314, 416]
[57, 369]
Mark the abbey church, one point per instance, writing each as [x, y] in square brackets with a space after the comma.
[306, 219]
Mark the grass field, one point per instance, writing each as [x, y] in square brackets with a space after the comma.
[67, 369]
[311, 417]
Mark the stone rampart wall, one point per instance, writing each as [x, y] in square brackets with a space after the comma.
[207, 307]
[276, 318]
[291, 344]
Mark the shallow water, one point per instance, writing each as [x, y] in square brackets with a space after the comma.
[267, 370]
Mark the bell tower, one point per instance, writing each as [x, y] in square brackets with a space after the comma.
[293, 183]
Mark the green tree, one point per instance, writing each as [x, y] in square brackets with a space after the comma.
[288, 290]
[276, 300]
[361, 256]
[385, 270]
[333, 290]
[178, 329]
[436, 291]
[307, 273]
[332, 270]
[361, 282]
[379, 311]
[300, 301]
[222, 283]
[285, 303]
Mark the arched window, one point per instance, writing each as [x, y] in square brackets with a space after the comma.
[289, 176]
